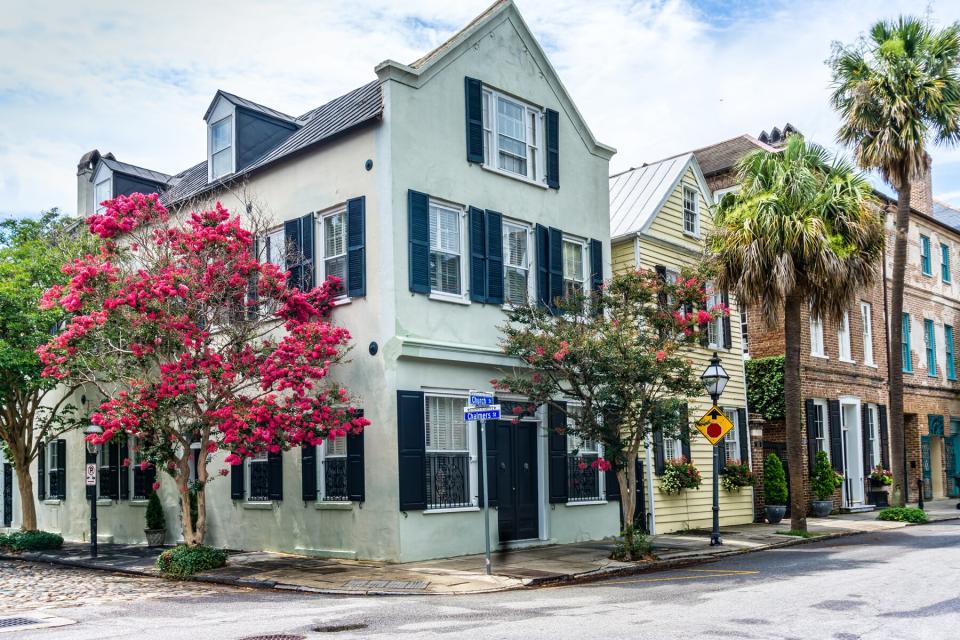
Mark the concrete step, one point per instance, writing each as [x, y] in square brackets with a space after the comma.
[860, 508]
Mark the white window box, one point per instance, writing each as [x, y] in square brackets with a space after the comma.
[333, 506]
[452, 510]
[266, 505]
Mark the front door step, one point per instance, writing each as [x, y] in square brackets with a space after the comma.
[860, 508]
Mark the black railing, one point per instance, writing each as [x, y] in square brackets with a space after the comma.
[259, 481]
[448, 480]
[582, 479]
[335, 479]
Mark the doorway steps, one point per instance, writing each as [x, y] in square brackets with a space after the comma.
[860, 508]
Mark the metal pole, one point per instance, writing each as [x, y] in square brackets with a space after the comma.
[920, 493]
[93, 525]
[715, 534]
[486, 494]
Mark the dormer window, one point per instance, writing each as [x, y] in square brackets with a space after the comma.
[221, 148]
[102, 191]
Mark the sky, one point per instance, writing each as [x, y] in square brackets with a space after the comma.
[652, 78]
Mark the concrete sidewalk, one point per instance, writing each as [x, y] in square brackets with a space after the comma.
[514, 569]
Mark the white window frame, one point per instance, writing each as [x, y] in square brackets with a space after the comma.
[744, 334]
[321, 234]
[51, 463]
[823, 440]
[323, 454]
[584, 264]
[491, 148]
[715, 328]
[873, 430]
[677, 445]
[464, 296]
[531, 285]
[230, 147]
[817, 348]
[844, 343]
[473, 490]
[261, 458]
[108, 181]
[576, 443]
[694, 197]
[132, 455]
[733, 436]
[866, 330]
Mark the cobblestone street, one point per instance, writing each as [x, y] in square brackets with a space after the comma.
[27, 586]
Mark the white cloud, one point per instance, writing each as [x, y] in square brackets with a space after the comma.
[653, 78]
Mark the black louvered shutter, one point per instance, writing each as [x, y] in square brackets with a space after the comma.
[356, 283]
[90, 491]
[491, 430]
[418, 240]
[108, 474]
[237, 489]
[275, 475]
[836, 435]
[809, 408]
[253, 283]
[552, 139]
[596, 265]
[543, 265]
[308, 472]
[149, 477]
[727, 340]
[557, 451]
[473, 91]
[411, 440]
[356, 484]
[124, 454]
[744, 436]
[661, 272]
[41, 468]
[658, 460]
[884, 436]
[685, 432]
[612, 486]
[494, 257]
[307, 252]
[866, 447]
[556, 265]
[114, 461]
[478, 255]
[293, 240]
[61, 469]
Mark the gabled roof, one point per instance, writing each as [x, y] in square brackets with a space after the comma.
[123, 167]
[636, 195]
[722, 156]
[459, 35]
[249, 104]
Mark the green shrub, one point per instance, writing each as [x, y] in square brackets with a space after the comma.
[824, 478]
[640, 548]
[903, 514]
[765, 386]
[183, 561]
[774, 481]
[155, 518]
[31, 540]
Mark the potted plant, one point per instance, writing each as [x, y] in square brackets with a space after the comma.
[735, 475]
[880, 477]
[679, 474]
[156, 522]
[774, 489]
[824, 482]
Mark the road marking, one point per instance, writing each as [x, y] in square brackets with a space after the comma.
[710, 573]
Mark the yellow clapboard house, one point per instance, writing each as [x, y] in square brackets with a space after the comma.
[660, 215]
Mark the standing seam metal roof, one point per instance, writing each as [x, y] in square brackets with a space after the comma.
[637, 194]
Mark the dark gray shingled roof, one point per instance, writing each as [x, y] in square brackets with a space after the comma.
[133, 170]
[946, 214]
[341, 114]
[720, 157]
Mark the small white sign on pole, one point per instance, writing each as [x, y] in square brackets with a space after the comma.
[91, 475]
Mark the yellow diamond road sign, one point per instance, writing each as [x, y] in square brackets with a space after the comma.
[714, 425]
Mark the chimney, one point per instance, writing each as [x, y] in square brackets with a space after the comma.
[85, 167]
[921, 193]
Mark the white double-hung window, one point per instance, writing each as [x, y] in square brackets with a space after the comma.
[691, 211]
[446, 250]
[843, 338]
[516, 263]
[821, 429]
[333, 239]
[731, 441]
[585, 483]
[512, 134]
[866, 323]
[332, 471]
[449, 466]
[573, 267]
[221, 148]
[816, 336]
[101, 192]
[715, 328]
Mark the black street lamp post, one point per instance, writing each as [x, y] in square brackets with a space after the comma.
[93, 430]
[714, 380]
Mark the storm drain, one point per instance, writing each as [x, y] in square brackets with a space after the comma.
[9, 623]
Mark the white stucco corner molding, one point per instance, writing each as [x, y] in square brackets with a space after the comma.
[419, 72]
[426, 349]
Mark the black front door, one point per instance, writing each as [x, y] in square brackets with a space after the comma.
[516, 477]
[7, 494]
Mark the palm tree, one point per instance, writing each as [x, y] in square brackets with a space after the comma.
[895, 91]
[801, 230]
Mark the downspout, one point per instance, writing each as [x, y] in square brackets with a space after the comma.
[648, 471]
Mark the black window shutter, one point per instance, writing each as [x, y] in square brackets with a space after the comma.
[114, 461]
[275, 470]
[356, 489]
[543, 265]
[418, 237]
[411, 439]
[108, 475]
[884, 437]
[494, 257]
[744, 436]
[307, 252]
[596, 265]
[308, 471]
[836, 435]
[491, 464]
[124, 454]
[552, 139]
[41, 472]
[658, 461]
[556, 265]
[252, 294]
[90, 458]
[150, 475]
[727, 339]
[704, 333]
[613, 487]
[810, 408]
[478, 255]
[685, 432]
[356, 283]
[721, 455]
[661, 272]
[557, 451]
[237, 489]
[293, 240]
[61, 469]
[865, 448]
[473, 90]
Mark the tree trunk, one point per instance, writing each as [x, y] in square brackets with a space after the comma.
[28, 505]
[898, 460]
[627, 479]
[183, 488]
[791, 391]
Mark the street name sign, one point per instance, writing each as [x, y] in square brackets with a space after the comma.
[489, 412]
[714, 425]
[480, 399]
[90, 475]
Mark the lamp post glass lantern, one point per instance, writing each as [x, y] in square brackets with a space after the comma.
[715, 379]
[93, 449]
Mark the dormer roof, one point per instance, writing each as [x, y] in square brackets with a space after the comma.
[132, 170]
[248, 104]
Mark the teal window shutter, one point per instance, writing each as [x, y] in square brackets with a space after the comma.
[948, 343]
[930, 338]
[925, 256]
[905, 344]
[945, 263]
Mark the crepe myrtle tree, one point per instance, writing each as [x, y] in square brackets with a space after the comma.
[624, 364]
[192, 339]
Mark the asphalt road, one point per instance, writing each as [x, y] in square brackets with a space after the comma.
[899, 584]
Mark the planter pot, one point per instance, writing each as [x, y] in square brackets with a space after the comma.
[821, 508]
[155, 537]
[877, 484]
[774, 512]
